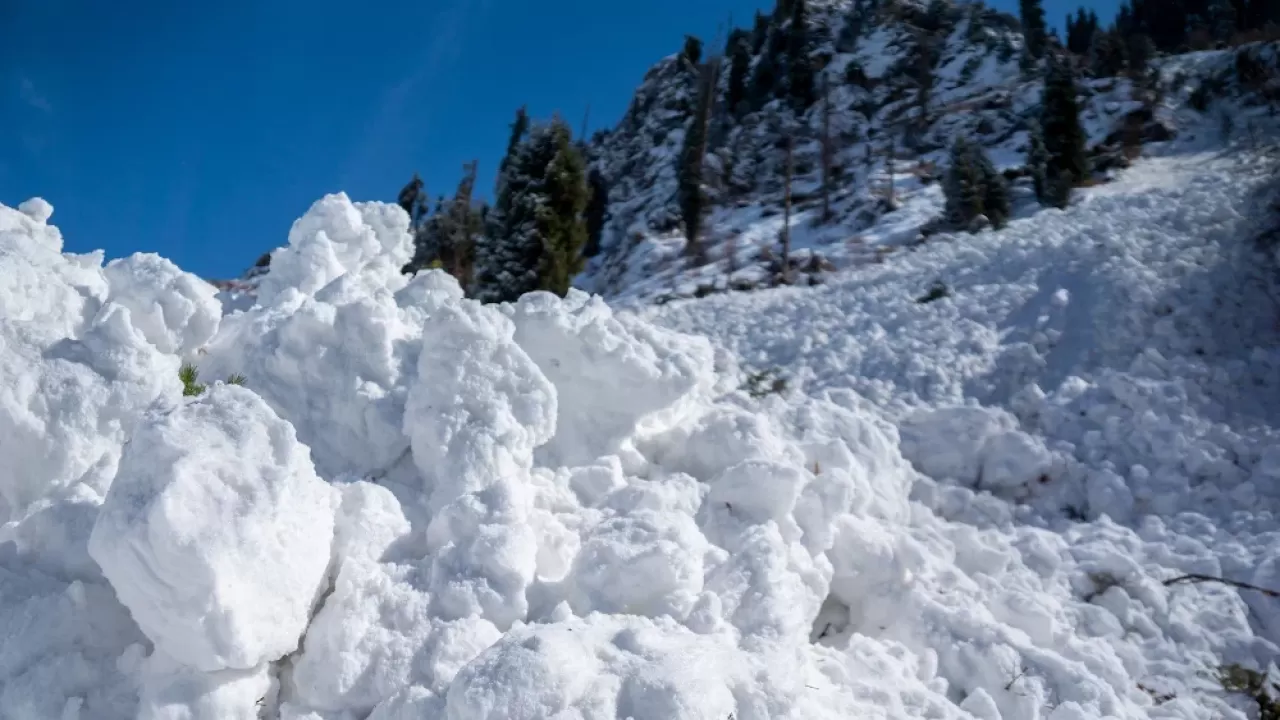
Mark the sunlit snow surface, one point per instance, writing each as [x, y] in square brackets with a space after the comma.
[422, 507]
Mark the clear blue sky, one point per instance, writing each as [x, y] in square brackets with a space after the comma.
[201, 130]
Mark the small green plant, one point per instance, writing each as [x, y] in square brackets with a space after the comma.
[191, 385]
[937, 291]
[190, 378]
[1255, 685]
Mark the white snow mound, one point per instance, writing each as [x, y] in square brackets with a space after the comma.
[216, 532]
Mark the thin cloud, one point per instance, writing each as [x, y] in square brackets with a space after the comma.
[31, 96]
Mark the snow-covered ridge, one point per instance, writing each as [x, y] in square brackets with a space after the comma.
[419, 506]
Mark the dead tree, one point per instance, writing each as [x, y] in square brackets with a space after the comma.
[826, 149]
[692, 200]
[786, 217]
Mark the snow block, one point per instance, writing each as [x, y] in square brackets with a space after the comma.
[216, 533]
[614, 375]
[176, 311]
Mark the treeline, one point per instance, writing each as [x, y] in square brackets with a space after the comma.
[545, 219]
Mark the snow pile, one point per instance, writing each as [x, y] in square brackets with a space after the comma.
[420, 506]
[216, 532]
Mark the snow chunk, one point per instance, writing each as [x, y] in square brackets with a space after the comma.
[602, 666]
[216, 533]
[614, 375]
[171, 691]
[176, 311]
[37, 209]
[334, 238]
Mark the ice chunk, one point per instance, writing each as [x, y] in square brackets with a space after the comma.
[216, 533]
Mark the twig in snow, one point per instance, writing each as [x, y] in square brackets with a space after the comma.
[1198, 578]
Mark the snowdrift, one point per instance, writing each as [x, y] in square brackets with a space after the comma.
[418, 507]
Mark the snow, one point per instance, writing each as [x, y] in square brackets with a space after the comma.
[421, 506]
[216, 532]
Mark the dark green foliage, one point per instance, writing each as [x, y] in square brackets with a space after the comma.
[1034, 31]
[1064, 137]
[597, 211]
[1080, 31]
[1140, 50]
[692, 51]
[800, 72]
[191, 385]
[739, 67]
[561, 224]
[764, 82]
[1108, 54]
[536, 230]
[518, 129]
[973, 188]
[1037, 159]
[1222, 19]
[759, 33]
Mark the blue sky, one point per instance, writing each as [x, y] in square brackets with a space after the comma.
[201, 130]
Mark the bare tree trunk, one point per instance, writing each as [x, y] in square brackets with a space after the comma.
[826, 149]
[708, 79]
[786, 218]
[888, 169]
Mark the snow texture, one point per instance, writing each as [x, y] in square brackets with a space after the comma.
[803, 503]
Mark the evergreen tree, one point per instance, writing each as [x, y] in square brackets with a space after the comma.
[759, 33]
[739, 67]
[973, 188]
[1064, 137]
[561, 222]
[799, 65]
[1037, 158]
[764, 82]
[536, 242]
[1222, 19]
[1138, 55]
[492, 253]
[1108, 54]
[1033, 27]
[1081, 30]
[597, 212]
[692, 52]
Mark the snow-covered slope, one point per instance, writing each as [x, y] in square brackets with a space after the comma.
[873, 67]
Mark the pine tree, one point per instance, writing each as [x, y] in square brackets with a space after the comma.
[493, 255]
[1064, 136]
[1033, 27]
[973, 188]
[597, 212]
[764, 82]
[692, 52]
[1037, 158]
[995, 192]
[799, 65]
[759, 33]
[1222, 19]
[739, 67]
[1108, 54]
[561, 221]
